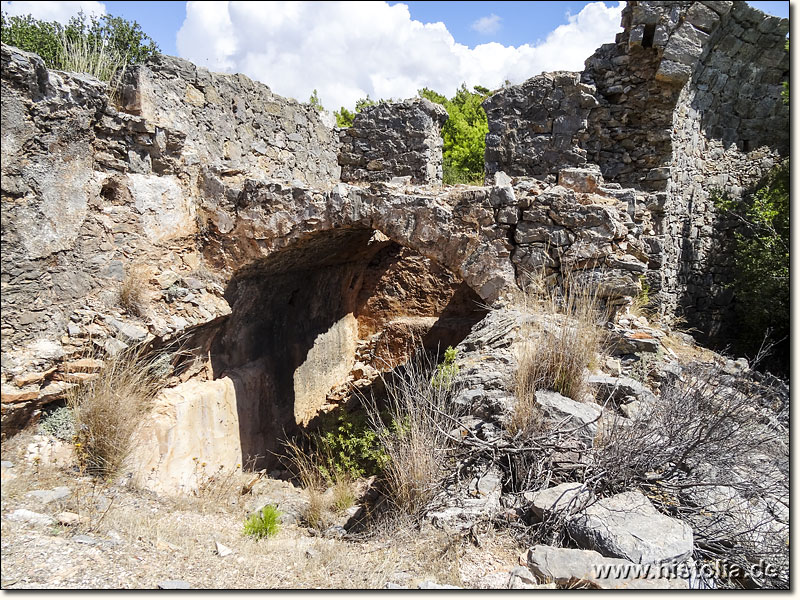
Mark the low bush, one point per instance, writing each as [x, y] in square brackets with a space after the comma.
[108, 408]
[706, 453]
[264, 524]
[413, 431]
[59, 423]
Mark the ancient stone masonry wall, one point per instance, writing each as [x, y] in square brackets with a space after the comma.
[394, 140]
[687, 100]
[231, 123]
[730, 128]
[534, 127]
[89, 192]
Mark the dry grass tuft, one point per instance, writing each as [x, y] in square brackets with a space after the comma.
[556, 348]
[421, 410]
[108, 409]
[133, 290]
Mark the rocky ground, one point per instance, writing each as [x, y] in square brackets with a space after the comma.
[489, 527]
[81, 534]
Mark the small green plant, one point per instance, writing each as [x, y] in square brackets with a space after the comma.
[264, 524]
[314, 101]
[59, 423]
[348, 447]
[447, 370]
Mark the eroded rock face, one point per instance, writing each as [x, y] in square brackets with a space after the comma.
[190, 435]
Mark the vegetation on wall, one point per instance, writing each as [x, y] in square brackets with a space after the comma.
[100, 46]
[761, 254]
[464, 134]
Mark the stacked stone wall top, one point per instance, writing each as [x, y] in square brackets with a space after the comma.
[534, 127]
[231, 123]
[394, 140]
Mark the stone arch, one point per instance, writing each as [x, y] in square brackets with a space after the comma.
[336, 306]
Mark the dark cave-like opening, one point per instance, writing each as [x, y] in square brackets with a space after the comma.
[316, 318]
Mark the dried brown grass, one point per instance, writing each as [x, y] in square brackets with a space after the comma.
[557, 345]
[421, 411]
[133, 290]
[108, 408]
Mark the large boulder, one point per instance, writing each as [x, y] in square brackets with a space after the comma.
[628, 526]
[568, 567]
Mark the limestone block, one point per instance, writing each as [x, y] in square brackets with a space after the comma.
[190, 433]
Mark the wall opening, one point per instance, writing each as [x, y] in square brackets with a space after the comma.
[649, 35]
[325, 314]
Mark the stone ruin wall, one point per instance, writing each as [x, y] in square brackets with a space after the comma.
[198, 175]
[400, 139]
[686, 101]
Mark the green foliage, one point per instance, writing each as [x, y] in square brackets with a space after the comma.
[464, 134]
[344, 117]
[32, 35]
[314, 102]
[59, 423]
[447, 370]
[90, 45]
[348, 446]
[761, 284]
[785, 92]
[644, 295]
[263, 524]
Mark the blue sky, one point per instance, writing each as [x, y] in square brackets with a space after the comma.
[384, 49]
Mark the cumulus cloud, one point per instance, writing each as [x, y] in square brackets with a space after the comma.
[347, 50]
[53, 11]
[487, 25]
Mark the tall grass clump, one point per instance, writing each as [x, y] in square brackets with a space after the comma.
[558, 343]
[420, 409]
[108, 408]
[93, 56]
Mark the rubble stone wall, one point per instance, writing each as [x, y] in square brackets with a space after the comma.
[229, 123]
[399, 139]
[686, 102]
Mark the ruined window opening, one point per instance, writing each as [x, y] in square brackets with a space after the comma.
[649, 35]
[745, 146]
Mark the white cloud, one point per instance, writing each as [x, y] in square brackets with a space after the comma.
[487, 25]
[347, 50]
[53, 11]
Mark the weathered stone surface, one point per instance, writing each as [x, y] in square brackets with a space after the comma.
[568, 567]
[230, 122]
[24, 515]
[616, 389]
[566, 496]
[628, 526]
[192, 431]
[391, 140]
[48, 496]
[567, 414]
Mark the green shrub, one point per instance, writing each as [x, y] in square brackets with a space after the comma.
[348, 447]
[101, 46]
[761, 254]
[263, 524]
[59, 423]
[464, 134]
[447, 370]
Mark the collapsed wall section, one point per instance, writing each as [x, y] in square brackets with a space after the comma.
[398, 139]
